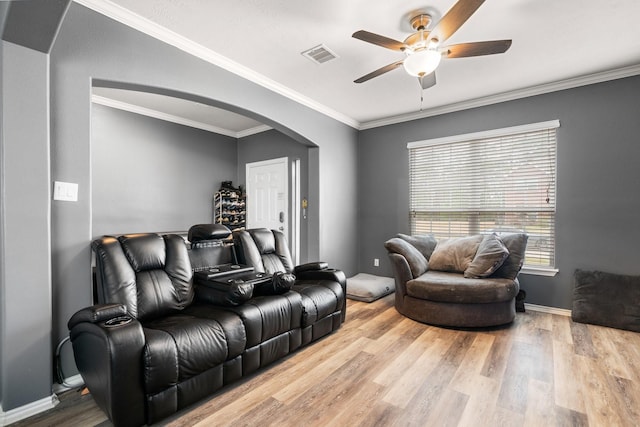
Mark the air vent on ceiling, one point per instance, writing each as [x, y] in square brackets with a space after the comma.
[319, 54]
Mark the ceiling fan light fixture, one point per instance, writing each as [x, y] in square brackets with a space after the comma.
[422, 62]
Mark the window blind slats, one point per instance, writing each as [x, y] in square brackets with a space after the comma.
[499, 183]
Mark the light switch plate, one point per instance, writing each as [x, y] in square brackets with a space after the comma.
[66, 191]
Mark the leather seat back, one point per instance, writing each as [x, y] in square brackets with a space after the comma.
[266, 250]
[148, 273]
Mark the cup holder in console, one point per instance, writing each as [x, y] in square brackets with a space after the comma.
[117, 321]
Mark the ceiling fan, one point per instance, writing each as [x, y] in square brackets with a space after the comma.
[424, 50]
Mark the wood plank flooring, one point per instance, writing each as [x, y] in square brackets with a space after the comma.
[382, 369]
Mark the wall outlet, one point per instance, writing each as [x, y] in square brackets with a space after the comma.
[376, 262]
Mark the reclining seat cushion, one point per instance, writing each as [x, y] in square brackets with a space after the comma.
[268, 252]
[320, 298]
[179, 347]
[162, 270]
[265, 317]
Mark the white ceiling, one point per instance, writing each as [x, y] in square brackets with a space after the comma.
[556, 44]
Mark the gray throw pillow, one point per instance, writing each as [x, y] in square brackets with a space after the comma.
[425, 243]
[516, 243]
[454, 254]
[490, 256]
[417, 262]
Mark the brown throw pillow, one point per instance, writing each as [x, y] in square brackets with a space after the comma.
[454, 254]
[490, 256]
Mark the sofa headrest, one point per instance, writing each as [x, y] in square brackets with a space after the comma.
[264, 239]
[200, 232]
[144, 251]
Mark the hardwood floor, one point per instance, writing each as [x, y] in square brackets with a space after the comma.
[381, 369]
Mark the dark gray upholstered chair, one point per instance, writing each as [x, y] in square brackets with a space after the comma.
[455, 298]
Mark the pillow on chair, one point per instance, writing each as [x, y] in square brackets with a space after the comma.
[516, 243]
[417, 262]
[424, 243]
[454, 254]
[490, 256]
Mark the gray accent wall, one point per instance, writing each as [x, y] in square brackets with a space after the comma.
[152, 175]
[271, 145]
[597, 182]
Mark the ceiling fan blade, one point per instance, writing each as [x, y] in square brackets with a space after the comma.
[428, 81]
[379, 71]
[454, 18]
[379, 40]
[464, 50]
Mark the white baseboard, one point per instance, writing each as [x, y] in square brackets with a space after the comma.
[28, 410]
[69, 384]
[550, 310]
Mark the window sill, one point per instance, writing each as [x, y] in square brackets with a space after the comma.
[539, 271]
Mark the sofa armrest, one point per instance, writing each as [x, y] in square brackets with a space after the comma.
[234, 293]
[401, 273]
[324, 274]
[98, 313]
[310, 266]
[329, 274]
[108, 351]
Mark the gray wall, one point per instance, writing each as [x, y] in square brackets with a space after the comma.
[597, 188]
[271, 145]
[25, 268]
[152, 175]
[90, 48]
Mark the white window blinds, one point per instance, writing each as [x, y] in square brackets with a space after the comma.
[502, 180]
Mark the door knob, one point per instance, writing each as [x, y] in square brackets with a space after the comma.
[281, 216]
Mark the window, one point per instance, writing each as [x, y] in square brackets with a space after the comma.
[502, 180]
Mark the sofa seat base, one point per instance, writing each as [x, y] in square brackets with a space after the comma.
[449, 299]
[457, 315]
[454, 287]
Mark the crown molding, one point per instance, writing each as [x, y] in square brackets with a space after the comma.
[146, 26]
[508, 96]
[150, 28]
[125, 106]
[253, 131]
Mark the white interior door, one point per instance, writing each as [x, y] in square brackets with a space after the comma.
[268, 195]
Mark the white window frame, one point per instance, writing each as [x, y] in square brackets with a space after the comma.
[480, 137]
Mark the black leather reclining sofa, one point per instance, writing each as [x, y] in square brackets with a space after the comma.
[159, 338]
